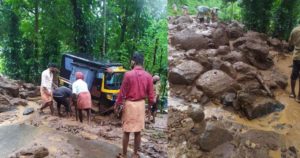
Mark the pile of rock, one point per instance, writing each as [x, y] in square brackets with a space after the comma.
[220, 60]
[14, 93]
[193, 135]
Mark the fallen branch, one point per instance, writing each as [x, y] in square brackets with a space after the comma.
[261, 81]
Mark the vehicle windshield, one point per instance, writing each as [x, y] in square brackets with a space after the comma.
[113, 81]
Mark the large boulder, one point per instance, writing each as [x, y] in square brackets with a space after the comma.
[18, 101]
[219, 37]
[34, 152]
[30, 94]
[265, 139]
[228, 69]
[234, 30]
[244, 68]
[5, 105]
[257, 35]
[255, 50]
[276, 79]
[11, 89]
[188, 39]
[214, 82]
[185, 73]
[183, 19]
[256, 106]
[29, 86]
[234, 56]
[214, 136]
[223, 50]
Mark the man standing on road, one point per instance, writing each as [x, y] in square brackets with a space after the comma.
[156, 82]
[46, 87]
[62, 95]
[294, 41]
[137, 85]
[82, 97]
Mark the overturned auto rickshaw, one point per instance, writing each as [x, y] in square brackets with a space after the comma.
[104, 79]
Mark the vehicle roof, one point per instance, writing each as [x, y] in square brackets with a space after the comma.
[91, 62]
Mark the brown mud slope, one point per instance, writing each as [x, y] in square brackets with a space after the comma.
[228, 93]
[39, 135]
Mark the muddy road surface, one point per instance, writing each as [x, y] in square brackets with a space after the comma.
[43, 134]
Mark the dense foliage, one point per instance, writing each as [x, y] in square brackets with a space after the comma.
[257, 14]
[285, 17]
[274, 17]
[34, 33]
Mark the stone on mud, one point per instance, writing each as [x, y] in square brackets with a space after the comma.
[267, 139]
[11, 89]
[244, 68]
[187, 123]
[18, 101]
[5, 105]
[214, 82]
[34, 152]
[255, 51]
[234, 56]
[228, 69]
[280, 79]
[223, 50]
[183, 19]
[31, 94]
[256, 106]
[256, 35]
[188, 39]
[234, 30]
[29, 86]
[214, 136]
[196, 112]
[195, 93]
[185, 73]
[228, 99]
[219, 37]
[28, 111]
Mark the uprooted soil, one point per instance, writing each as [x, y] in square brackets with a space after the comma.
[40, 135]
[229, 92]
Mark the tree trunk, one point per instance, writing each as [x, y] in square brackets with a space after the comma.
[154, 53]
[124, 25]
[104, 29]
[36, 32]
[231, 11]
[80, 28]
[160, 64]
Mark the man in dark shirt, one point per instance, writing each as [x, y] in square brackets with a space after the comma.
[62, 95]
[137, 86]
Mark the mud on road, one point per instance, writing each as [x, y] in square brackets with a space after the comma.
[68, 138]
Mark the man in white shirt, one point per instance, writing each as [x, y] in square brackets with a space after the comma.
[46, 87]
[81, 96]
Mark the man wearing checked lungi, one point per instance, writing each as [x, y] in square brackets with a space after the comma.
[137, 86]
[81, 97]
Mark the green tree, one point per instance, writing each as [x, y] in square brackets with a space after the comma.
[285, 18]
[257, 14]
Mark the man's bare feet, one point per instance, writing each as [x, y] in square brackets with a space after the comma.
[298, 99]
[292, 95]
[121, 156]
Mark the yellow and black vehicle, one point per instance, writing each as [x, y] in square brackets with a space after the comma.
[103, 78]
